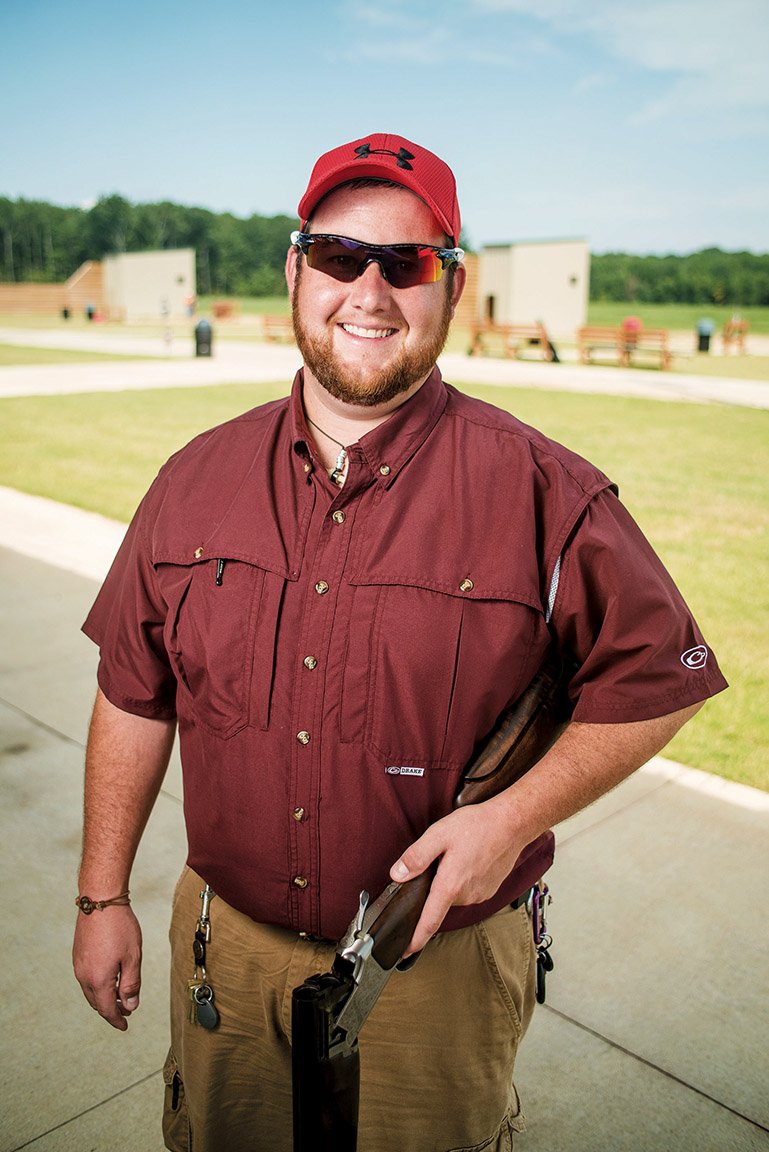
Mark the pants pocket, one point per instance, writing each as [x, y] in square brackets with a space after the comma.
[508, 950]
[176, 1122]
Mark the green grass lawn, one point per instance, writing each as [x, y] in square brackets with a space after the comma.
[676, 316]
[690, 473]
[250, 305]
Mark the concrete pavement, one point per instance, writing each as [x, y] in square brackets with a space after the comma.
[656, 1031]
[246, 361]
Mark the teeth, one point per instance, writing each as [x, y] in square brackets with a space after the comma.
[369, 333]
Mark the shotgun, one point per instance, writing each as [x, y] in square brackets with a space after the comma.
[329, 1010]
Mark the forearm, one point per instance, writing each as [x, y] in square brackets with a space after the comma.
[586, 762]
[126, 760]
[477, 845]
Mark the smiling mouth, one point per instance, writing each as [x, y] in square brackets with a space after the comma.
[368, 333]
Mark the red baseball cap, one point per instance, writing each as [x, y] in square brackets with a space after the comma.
[388, 157]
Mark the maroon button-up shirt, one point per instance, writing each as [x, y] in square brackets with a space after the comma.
[333, 655]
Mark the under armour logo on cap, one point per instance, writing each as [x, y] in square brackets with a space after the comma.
[402, 156]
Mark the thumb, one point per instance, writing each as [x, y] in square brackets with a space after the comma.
[129, 986]
[418, 856]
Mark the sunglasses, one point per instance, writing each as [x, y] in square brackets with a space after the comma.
[403, 265]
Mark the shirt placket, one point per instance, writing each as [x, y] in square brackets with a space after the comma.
[327, 549]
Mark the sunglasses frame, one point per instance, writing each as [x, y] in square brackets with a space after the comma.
[447, 256]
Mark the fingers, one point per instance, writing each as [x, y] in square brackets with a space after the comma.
[435, 843]
[475, 852]
[104, 998]
[434, 913]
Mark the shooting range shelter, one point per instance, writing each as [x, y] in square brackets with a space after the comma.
[148, 285]
[531, 282]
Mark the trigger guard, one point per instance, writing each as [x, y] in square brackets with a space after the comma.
[407, 964]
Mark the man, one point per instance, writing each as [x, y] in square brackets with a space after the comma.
[335, 596]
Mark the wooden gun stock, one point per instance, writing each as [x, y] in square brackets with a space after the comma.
[522, 735]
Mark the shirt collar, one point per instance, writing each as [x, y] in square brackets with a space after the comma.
[388, 448]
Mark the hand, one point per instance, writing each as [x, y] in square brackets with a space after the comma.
[107, 956]
[477, 849]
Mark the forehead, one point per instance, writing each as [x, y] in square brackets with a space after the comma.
[380, 215]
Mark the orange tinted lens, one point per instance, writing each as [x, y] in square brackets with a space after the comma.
[407, 266]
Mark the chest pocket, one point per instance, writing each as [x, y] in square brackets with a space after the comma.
[426, 671]
[220, 634]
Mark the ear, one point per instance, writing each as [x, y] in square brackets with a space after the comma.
[458, 287]
[291, 259]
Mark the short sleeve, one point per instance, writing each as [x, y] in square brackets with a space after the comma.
[640, 651]
[127, 622]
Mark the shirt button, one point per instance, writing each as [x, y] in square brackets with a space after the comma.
[198, 553]
[307, 467]
[298, 815]
[303, 737]
[321, 587]
[466, 585]
[339, 516]
[301, 881]
[310, 662]
[384, 470]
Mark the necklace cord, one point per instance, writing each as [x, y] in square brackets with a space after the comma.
[319, 429]
[339, 472]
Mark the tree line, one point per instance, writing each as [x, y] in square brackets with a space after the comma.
[237, 256]
[707, 277]
[45, 243]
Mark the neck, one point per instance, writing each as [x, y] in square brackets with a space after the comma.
[335, 423]
[346, 423]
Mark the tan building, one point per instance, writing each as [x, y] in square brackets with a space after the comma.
[148, 285]
[533, 282]
[128, 286]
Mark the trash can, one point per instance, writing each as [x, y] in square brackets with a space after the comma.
[203, 338]
[705, 329]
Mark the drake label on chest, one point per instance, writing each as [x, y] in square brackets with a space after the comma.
[403, 770]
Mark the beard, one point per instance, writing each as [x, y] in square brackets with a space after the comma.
[358, 385]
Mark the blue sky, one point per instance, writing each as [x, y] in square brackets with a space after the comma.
[642, 127]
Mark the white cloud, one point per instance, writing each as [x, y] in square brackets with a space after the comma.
[433, 33]
[712, 58]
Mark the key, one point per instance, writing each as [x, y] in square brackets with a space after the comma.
[207, 1014]
[192, 1011]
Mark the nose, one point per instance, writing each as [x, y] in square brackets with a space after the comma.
[370, 289]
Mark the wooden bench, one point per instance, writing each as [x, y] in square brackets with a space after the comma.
[592, 338]
[624, 345]
[225, 309]
[512, 340]
[278, 328]
[654, 340]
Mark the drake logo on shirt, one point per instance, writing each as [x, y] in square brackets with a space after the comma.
[398, 770]
[695, 657]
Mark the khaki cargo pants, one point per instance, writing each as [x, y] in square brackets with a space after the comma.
[437, 1052]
